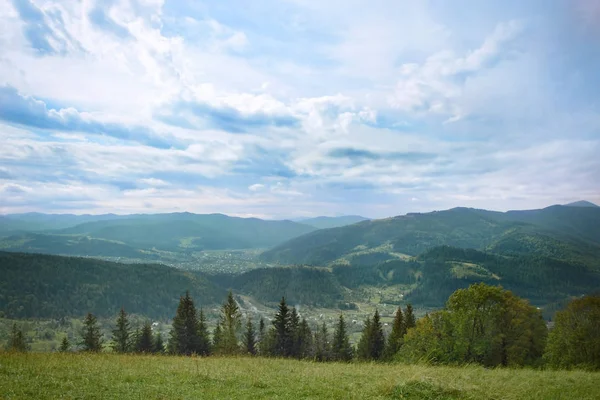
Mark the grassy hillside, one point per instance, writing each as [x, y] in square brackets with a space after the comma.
[561, 232]
[106, 376]
[34, 285]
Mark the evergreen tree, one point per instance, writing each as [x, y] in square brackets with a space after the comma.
[250, 338]
[340, 348]
[261, 336]
[91, 336]
[184, 338]
[144, 342]
[64, 345]
[363, 349]
[396, 336]
[305, 341]
[121, 334]
[17, 340]
[204, 342]
[377, 337]
[295, 341]
[322, 345]
[159, 345]
[217, 337]
[409, 317]
[231, 322]
[282, 334]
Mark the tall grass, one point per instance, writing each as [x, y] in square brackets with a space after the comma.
[110, 376]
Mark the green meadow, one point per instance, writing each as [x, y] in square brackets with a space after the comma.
[111, 376]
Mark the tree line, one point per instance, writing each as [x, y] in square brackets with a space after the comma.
[480, 324]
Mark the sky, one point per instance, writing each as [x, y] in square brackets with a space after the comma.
[298, 108]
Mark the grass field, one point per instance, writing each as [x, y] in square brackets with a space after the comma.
[107, 376]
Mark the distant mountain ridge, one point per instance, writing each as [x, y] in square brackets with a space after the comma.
[332, 222]
[581, 203]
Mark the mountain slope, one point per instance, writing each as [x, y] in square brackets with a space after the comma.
[35, 285]
[581, 203]
[333, 222]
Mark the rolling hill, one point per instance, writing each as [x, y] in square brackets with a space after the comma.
[332, 222]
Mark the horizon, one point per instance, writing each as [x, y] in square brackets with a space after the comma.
[297, 108]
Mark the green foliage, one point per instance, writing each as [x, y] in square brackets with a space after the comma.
[409, 317]
[64, 345]
[44, 286]
[372, 341]
[282, 332]
[121, 340]
[341, 350]
[230, 323]
[322, 344]
[159, 345]
[144, 341]
[575, 338]
[481, 324]
[396, 337]
[17, 340]
[91, 338]
[249, 339]
[188, 335]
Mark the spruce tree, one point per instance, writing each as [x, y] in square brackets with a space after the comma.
[184, 338]
[217, 338]
[396, 336]
[17, 340]
[121, 333]
[144, 343]
[295, 339]
[409, 317]
[204, 342]
[378, 339]
[250, 338]
[261, 336]
[322, 345]
[159, 345]
[231, 322]
[341, 349]
[90, 335]
[363, 350]
[305, 338]
[65, 346]
[281, 325]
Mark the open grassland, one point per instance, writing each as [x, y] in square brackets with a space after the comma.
[109, 376]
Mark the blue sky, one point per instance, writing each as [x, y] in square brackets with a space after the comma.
[290, 108]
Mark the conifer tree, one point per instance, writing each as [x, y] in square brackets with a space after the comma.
[231, 322]
[409, 317]
[204, 342]
[305, 340]
[121, 333]
[261, 336]
[159, 345]
[363, 349]
[17, 340]
[65, 346]
[282, 335]
[396, 336]
[144, 342]
[250, 338]
[341, 349]
[217, 337]
[91, 336]
[377, 337]
[322, 345]
[295, 339]
[184, 338]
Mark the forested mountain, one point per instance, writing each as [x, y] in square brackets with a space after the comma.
[36, 285]
[332, 222]
[568, 233]
[38, 222]
[138, 236]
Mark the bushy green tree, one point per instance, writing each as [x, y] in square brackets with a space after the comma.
[159, 345]
[363, 349]
[372, 342]
[185, 338]
[575, 338]
[121, 334]
[144, 340]
[305, 340]
[204, 347]
[409, 317]
[17, 340]
[281, 329]
[91, 338]
[295, 339]
[65, 346]
[341, 350]
[231, 323]
[322, 344]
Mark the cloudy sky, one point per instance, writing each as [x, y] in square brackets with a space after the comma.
[289, 108]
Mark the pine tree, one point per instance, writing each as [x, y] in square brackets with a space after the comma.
[363, 350]
[121, 334]
[295, 339]
[144, 342]
[65, 346]
[17, 340]
[341, 349]
[409, 317]
[231, 322]
[159, 346]
[204, 348]
[378, 339]
[396, 336]
[305, 340]
[250, 338]
[322, 345]
[184, 338]
[91, 336]
[281, 325]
